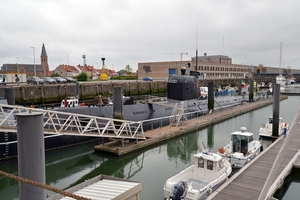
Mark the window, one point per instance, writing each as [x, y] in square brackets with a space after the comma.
[200, 162]
[210, 165]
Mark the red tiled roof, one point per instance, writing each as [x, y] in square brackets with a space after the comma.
[69, 68]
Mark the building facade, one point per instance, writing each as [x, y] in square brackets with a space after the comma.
[217, 68]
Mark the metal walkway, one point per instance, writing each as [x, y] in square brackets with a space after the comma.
[249, 182]
[56, 122]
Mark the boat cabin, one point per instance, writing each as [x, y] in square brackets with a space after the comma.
[207, 166]
[240, 140]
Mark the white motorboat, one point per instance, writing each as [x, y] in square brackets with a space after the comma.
[267, 128]
[280, 80]
[203, 92]
[198, 181]
[241, 149]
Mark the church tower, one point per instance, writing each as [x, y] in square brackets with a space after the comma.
[44, 61]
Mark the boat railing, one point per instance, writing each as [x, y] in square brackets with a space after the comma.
[165, 121]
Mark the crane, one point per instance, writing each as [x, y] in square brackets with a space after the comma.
[175, 53]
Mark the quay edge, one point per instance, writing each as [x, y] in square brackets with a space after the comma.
[165, 133]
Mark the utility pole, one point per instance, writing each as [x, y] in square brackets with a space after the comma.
[18, 66]
[34, 69]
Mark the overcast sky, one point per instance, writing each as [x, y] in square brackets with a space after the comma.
[133, 31]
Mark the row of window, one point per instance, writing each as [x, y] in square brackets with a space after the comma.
[226, 69]
[209, 164]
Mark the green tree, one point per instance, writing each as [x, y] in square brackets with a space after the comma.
[82, 77]
[122, 72]
[55, 74]
[128, 69]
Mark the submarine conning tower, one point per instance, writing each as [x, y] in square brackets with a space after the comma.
[185, 86]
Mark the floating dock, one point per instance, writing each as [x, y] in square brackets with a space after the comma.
[165, 133]
[278, 160]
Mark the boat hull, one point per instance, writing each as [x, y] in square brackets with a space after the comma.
[9, 144]
[197, 188]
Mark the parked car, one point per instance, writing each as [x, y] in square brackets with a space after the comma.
[59, 79]
[147, 78]
[34, 80]
[49, 80]
[70, 80]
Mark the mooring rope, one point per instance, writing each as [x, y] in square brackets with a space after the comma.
[48, 187]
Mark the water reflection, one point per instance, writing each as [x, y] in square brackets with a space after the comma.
[151, 166]
[290, 189]
[182, 148]
[210, 136]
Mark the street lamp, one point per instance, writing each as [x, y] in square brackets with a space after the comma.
[34, 61]
[68, 59]
[18, 65]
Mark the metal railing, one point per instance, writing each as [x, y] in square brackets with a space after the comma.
[64, 123]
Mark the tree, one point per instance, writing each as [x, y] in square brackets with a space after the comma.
[55, 74]
[128, 69]
[82, 77]
[122, 72]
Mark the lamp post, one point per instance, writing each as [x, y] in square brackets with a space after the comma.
[68, 59]
[34, 61]
[18, 65]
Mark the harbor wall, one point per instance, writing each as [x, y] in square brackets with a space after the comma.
[50, 94]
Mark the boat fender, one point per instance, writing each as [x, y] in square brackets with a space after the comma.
[261, 148]
[221, 150]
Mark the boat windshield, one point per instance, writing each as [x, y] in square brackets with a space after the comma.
[240, 143]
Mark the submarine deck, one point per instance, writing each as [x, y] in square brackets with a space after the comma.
[165, 133]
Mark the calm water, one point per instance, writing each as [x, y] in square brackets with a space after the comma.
[65, 168]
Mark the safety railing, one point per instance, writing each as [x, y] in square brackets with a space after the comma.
[58, 122]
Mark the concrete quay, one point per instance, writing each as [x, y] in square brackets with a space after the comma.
[165, 133]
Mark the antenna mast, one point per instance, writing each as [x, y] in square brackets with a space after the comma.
[196, 45]
[280, 56]
[222, 45]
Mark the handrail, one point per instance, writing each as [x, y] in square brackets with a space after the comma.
[64, 123]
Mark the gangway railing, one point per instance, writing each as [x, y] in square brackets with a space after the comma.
[178, 113]
[64, 123]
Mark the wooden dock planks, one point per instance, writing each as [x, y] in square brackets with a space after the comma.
[249, 182]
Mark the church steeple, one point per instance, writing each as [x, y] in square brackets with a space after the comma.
[44, 61]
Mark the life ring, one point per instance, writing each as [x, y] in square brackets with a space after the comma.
[32, 106]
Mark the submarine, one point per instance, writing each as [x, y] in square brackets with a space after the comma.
[180, 88]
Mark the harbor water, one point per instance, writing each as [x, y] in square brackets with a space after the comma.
[151, 166]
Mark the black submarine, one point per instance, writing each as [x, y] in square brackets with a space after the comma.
[180, 88]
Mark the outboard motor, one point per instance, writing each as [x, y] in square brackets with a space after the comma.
[179, 189]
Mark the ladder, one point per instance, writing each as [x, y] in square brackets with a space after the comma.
[178, 113]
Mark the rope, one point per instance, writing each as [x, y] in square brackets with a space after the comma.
[25, 180]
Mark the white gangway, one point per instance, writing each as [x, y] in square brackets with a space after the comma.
[64, 123]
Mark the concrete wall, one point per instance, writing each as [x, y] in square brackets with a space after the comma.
[49, 94]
